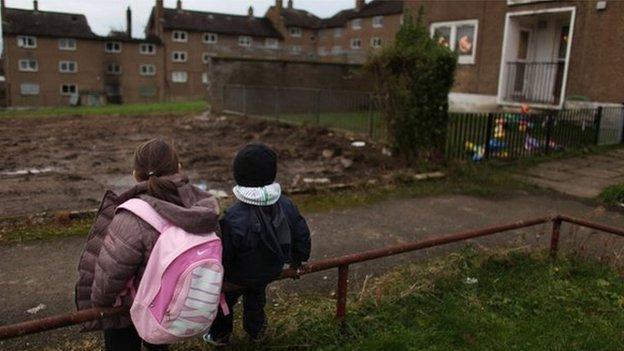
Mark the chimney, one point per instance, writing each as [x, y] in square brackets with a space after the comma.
[250, 12]
[359, 4]
[2, 7]
[129, 22]
[179, 5]
[290, 4]
[36, 5]
[159, 13]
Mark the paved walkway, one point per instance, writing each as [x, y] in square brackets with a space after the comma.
[44, 272]
[583, 177]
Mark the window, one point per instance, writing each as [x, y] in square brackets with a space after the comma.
[356, 23]
[26, 42]
[178, 56]
[112, 47]
[337, 32]
[244, 40]
[295, 49]
[147, 49]
[28, 65]
[376, 42]
[322, 51]
[205, 78]
[67, 44]
[459, 36]
[29, 89]
[68, 67]
[113, 68]
[147, 70]
[377, 21]
[210, 38]
[336, 49]
[271, 43]
[147, 90]
[68, 89]
[356, 43]
[179, 36]
[179, 76]
[516, 2]
[295, 31]
[206, 57]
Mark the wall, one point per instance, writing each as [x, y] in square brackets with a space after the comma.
[283, 73]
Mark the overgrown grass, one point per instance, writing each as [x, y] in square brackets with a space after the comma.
[612, 195]
[161, 108]
[467, 301]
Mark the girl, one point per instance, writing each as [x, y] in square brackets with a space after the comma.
[120, 243]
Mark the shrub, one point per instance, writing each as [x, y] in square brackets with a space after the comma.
[413, 78]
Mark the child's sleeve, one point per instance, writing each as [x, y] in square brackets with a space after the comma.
[301, 242]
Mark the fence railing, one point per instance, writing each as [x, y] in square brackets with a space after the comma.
[536, 82]
[474, 136]
[342, 263]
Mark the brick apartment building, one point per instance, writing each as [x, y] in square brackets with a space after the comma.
[54, 58]
[546, 53]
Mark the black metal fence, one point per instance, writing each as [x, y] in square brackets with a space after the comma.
[471, 136]
[536, 82]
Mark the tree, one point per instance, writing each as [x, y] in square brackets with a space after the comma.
[414, 76]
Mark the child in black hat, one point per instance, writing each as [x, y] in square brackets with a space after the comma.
[261, 233]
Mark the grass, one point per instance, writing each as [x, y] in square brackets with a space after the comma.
[612, 195]
[163, 108]
[468, 301]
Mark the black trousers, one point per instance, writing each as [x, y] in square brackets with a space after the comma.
[254, 318]
[127, 339]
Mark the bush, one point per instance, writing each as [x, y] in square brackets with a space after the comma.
[413, 78]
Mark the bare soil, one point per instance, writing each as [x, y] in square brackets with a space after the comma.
[66, 163]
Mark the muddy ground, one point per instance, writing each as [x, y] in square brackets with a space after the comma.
[66, 163]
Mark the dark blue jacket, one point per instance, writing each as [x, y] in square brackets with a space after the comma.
[259, 240]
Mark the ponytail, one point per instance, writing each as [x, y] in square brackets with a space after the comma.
[154, 160]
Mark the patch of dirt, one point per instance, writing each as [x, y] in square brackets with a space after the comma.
[66, 163]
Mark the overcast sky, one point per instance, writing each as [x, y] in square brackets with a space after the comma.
[104, 15]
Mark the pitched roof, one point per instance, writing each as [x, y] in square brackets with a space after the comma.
[337, 20]
[44, 23]
[218, 23]
[300, 18]
[373, 8]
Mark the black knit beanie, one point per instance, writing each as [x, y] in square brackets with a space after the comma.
[255, 165]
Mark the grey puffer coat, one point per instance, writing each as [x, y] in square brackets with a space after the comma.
[119, 244]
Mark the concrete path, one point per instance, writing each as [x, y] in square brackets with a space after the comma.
[45, 272]
[583, 177]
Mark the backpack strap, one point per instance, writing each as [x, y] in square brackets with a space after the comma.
[146, 212]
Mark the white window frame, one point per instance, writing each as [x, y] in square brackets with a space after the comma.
[27, 41]
[520, 2]
[113, 72]
[295, 32]
[271, 43]
[210, 38]
[322, 51]
[179, 77]
[461, 59]
[68, 85]
[378, 21]
[205, 78]
[67, 65]
[356, 40]
[356, 24]
[376, 42]
[115, 49]
[63, 44]
[206, 57]
[337, 32]
[245, 41]
[295, 49]
[147, 70]
[35, 91]
[336, 50]
[27, 67]
[179, 56]
[179, 36]
[147, 49]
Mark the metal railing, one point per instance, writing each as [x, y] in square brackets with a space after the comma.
[534, 82]
[342, 263]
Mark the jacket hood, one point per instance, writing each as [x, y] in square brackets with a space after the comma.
[199, 214]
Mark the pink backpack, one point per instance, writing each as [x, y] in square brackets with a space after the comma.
[180, 292]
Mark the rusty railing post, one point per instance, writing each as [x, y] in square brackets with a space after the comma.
[554, 237]
[341, 293]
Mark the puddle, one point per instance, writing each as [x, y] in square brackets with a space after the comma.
[25, 171]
